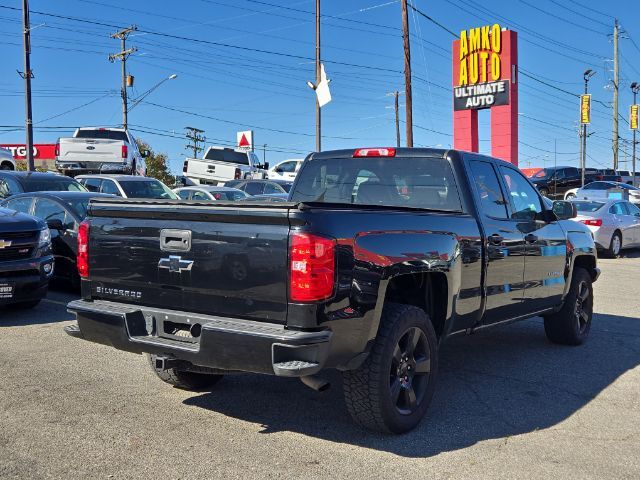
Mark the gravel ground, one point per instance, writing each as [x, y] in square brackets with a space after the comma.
[508, 405]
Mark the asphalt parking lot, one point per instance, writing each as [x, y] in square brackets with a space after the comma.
[508, 405]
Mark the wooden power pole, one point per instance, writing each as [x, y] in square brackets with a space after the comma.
[616, 84]
[407, 74]
[27, 75]
[122, 56]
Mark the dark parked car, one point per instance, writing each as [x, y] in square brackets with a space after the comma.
[553, 182]
[376, 259]
[26, 262]
[260, 187]
[62, 212]
[12, 183]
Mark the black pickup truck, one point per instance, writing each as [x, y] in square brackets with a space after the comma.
[377, 257]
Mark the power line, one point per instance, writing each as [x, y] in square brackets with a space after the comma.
[562, 19]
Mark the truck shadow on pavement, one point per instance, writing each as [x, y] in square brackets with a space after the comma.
[492, 385]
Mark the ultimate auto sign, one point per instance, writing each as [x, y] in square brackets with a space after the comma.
[479, 76]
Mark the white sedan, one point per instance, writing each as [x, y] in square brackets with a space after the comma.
[600, 191]
[210, 193]
[615, 224]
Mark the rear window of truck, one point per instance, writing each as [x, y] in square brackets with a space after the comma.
[227, 156]
[103, 134]
[396, 182]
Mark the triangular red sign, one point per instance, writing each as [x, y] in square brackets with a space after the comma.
[243, 141]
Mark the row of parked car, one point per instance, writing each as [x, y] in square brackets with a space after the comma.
[40, 214]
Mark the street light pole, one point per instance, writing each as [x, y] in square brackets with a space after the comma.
[583, 158]
[151, 90]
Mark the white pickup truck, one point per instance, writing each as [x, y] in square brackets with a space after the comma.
[220, 165]
[100, 150]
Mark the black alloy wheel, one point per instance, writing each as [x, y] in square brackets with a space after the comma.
[410, 369]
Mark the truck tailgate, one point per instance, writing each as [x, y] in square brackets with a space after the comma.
[210, 169]
[229, 259]
[90, 150]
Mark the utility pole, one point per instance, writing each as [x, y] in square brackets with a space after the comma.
[195, 138]
[27, 75]
[583, 151]
[318, 78]
[396, 106]
[264, 154]
[122, 56]
[616, 84]
[407, 74]
[635, 87]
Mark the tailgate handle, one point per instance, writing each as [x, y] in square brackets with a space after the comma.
[175, 240]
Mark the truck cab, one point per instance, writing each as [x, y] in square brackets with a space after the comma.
[220, 164]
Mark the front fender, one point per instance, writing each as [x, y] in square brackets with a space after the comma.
[581, 252]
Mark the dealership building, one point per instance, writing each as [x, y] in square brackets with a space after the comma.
[43, 154]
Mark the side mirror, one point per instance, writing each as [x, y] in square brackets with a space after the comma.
[266, 165]
[564, 210]
[55, 224]
[145, 153]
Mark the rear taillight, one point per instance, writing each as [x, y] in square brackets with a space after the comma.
[125, 151]
[238, 174]
[596, 222]
[82, 260]
[185, 166]
[375, 152]
[312, 267]
[57, 150]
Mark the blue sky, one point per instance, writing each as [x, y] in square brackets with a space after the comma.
[227, 84]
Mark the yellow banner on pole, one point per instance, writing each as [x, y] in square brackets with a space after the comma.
[585, 109]
[633, 116]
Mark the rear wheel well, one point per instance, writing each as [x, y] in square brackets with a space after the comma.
[6, 165]
[428, 291]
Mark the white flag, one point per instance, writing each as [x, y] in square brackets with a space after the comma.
[322, 90]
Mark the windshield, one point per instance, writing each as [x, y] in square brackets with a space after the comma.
[55, 184]
[286, 186]
[79, 206]
[588, 206]
[416, 182]
[103, 134]
[146, 189]
[542, 173]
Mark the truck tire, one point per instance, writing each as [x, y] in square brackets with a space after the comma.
[391, 391]
[544, 191]
[571, 325]
[186, 380]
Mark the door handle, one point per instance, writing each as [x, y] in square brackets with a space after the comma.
[531, 238]
[496, 239]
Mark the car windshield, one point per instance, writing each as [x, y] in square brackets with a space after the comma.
[103, 134]
[229, 195]
[54, 184]
[588, 206]
[146, 189]
[417, 182]
[286, 186]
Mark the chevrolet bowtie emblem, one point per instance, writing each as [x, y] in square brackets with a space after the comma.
[175, 263]
[5, 243]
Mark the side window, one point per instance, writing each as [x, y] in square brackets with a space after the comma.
[254, 188]
[286, 167]
[524, 199]
[109, 186]
[618, 209]
[560, 174]
[184, 194]
[572, 172]
[22, 205]
[273, 188]
[633, 209]
[48, 210]
[199, 196]
[488, 192]
[69, 222]
[8, 187]
[92, 184]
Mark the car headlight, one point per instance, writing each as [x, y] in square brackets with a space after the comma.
[45, 237]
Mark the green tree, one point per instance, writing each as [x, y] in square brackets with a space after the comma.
[157, 165]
